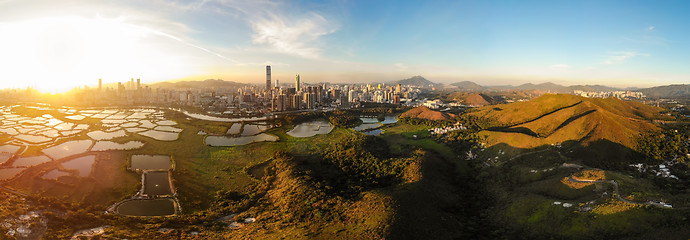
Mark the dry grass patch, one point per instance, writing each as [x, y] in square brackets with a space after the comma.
[584, 175]
[613, 206]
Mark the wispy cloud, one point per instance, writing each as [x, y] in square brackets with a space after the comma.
[560, 66]
[401, 67]
[292, 36]
[276, 26]
[619, 57]
[650, 28]
[170, 36]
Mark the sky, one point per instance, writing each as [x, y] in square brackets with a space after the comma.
[57, 45]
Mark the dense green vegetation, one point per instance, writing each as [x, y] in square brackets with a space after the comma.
[669, 144]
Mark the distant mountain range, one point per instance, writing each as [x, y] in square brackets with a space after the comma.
[670, 91]
[208, 83]
[679, 90]
[467, 85]
[472, 86]
[547, 87]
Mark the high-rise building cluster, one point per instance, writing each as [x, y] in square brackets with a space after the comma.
[323, 95]
[607, 94]
[241, 99]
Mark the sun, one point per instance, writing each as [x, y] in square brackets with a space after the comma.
[57, 54]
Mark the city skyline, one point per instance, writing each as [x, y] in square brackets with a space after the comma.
[58, 46]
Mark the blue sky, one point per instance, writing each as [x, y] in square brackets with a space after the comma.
[617, 43]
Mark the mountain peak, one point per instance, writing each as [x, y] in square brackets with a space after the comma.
[415, 80]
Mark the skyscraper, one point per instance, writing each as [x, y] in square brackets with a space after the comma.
[100, 84]
[268, 78]
[138, 84]
[297, 82]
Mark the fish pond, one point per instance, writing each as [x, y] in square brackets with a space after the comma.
[83, 165]
[147, 207]
[151, 162]
[157, 184]
[67, 149]
[311, 128]
[220, 141]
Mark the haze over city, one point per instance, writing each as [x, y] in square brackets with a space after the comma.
[55, 46]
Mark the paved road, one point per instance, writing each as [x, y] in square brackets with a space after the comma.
[528, 153]
[2, 188]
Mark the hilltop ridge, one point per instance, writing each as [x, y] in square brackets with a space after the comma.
[423, 112]
[557, 118]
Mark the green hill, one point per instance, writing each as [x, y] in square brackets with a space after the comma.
[670, 91]
[478, 99]
[468, 86]
[423, 112]
[557, 118]
[416, 81]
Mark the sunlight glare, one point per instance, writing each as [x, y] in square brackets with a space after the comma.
[57, 54]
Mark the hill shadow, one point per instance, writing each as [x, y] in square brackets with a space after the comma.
[445, 203]
[603, 153]
[573, 118]
[546, 114]
[522, 130]
[513, 129]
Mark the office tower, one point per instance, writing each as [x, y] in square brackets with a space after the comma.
[291, 91]
[277, 84]
[309, 100]
[120, 89]
[100, 85]
[297, 82]
[268, 78]
[138, 84]
[296, 102]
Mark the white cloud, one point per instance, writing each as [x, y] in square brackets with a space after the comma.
[651, 28]
[619, 57]
[561, 66]
[292, 36]
[276, 26]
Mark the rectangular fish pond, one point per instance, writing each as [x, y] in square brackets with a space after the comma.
[147, 207]
[151, 162]
[156, 183]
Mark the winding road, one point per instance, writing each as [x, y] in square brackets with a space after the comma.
[3, 188]
[615, 189]
[612, 182]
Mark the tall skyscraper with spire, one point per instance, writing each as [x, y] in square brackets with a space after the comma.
[297, 82]
[268, 78]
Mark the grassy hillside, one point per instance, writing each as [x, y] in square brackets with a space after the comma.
[478, 99]
[559, 118]
[426, 113]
